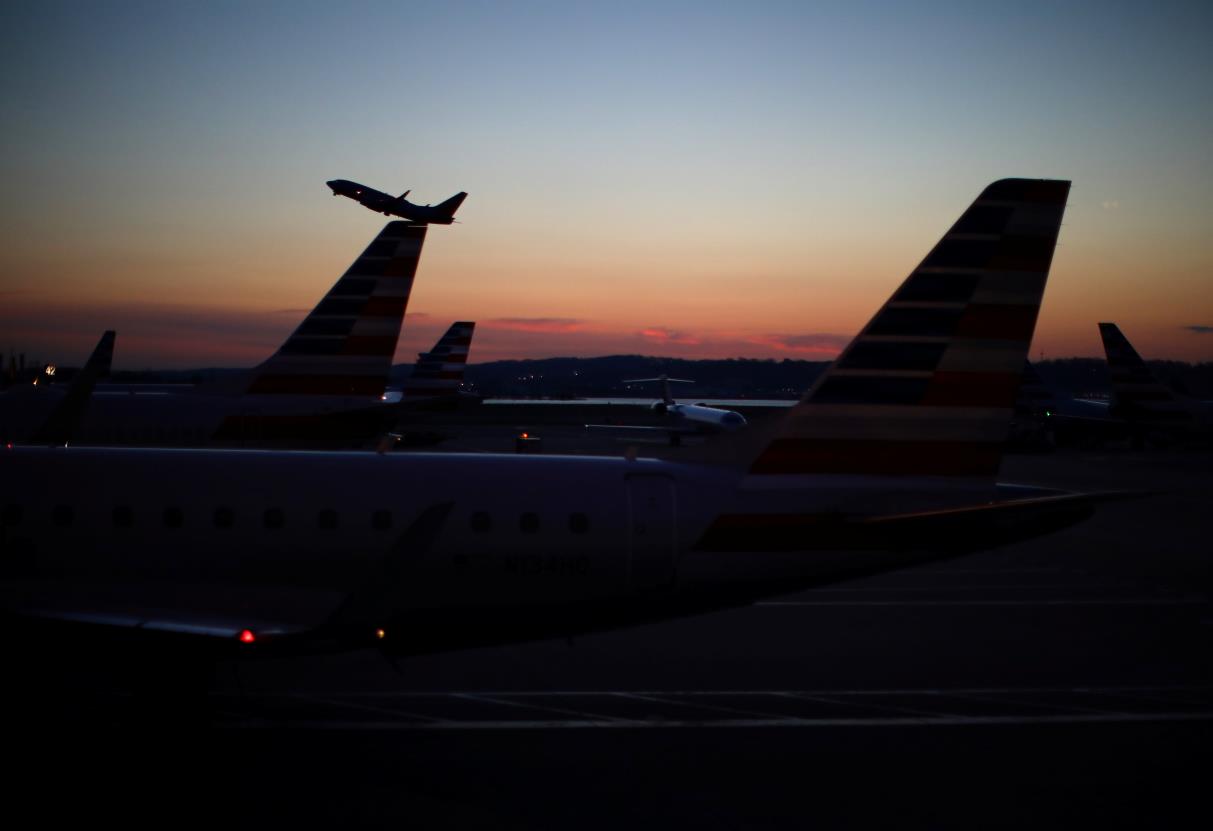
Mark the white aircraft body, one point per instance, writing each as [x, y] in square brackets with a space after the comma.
[890, 459]
[688, 419]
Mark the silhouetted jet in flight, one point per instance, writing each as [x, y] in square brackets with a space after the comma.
[441, 214]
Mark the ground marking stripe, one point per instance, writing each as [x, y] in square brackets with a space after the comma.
[1144, 601]
[669, 702]
[489, 699]
[357, 705]
[630, 724]
[421, 694]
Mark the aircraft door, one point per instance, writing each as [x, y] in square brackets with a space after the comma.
[652, 533]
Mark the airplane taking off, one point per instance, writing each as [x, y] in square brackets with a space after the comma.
[1149, 406]
[891, 458]
[689, 419]
[376, 200]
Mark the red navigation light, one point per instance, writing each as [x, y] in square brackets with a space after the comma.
[247, 636]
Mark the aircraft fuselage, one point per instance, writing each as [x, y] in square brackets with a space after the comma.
[388, 205]
[502, 538]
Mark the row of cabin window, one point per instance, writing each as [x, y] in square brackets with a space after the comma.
[123, 516]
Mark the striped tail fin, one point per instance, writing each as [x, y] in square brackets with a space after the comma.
[928, 387]
[439, 372]
[1136, 392]
[65, 419]
[345, 345]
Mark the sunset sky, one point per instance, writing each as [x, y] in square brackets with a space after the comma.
[686, 179]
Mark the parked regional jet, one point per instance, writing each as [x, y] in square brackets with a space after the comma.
[688, 419]
[376, 200]
[890, 459]
[1151, 407]
[323, 387]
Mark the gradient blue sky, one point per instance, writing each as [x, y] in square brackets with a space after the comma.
[692, 179]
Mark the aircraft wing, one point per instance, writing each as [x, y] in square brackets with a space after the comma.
[948, 531]
[216, 619]
[1005, 520]
[221, 618]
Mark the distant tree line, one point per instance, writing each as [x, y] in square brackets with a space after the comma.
[731, 378]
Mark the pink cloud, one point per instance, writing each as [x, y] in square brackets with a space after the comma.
[537, 324]
[816, 343]
[666, 336]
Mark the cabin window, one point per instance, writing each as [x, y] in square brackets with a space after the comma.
[123, 516]
[173, 517]
[381, 520]
[326, 520]
[528, 523]
[273, 518]
[62, 515]
[579, 523]
[224, 517]
[12, 515]
[481, 522]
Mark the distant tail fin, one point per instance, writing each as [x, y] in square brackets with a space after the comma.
[64, 420]
[451, 205]
[1136, 392]
[345, 346]
[439, 372]
[927, 388]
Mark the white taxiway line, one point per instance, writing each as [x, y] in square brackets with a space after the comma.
[489, 699]
[718, 724]
[1126, 601]
[1153, 690]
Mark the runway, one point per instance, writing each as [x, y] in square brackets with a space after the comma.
[1062, 682]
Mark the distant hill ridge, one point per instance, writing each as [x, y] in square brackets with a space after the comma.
[731, 378]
